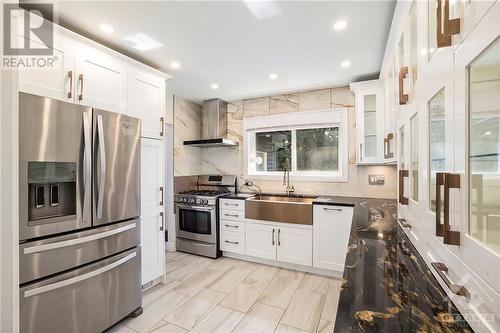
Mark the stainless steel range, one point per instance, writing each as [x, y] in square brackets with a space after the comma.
[197, 215]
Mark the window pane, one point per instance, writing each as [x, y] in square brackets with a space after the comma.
[414, 157]
[370, 129]
[484, 147]
[318, 149]
[273, 151]
[437, 143]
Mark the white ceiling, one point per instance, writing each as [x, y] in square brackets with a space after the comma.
[228, 44]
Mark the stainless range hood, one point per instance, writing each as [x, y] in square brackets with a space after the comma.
[214, 126]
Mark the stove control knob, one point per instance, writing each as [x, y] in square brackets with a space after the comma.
[204, 201]
[192, 200]
[184, 200]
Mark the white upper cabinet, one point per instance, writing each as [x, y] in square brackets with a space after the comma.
[146, 95]
[56, 82]
[370, 122]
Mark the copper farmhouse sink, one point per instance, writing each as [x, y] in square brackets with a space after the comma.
[280, 208]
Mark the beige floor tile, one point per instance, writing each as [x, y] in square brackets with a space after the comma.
[190, 268]
[223, 264]
[181, 262]
[191, 312]
[220, 320]
[171, 256]
[282, 288]
[314, 283]
[304, 310]
[261, 318]
[160, 289]
[282, 328]
[325, 326]
[194, 284]
[230, 279]
[166, 327]
[156, 311]
[332, 300]
[119, 328]
[248, 291]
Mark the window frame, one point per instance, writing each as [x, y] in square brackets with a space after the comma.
[297, 121]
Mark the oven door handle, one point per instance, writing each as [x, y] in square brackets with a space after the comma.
[199, 209]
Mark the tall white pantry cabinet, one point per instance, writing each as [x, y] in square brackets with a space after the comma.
[90, 74]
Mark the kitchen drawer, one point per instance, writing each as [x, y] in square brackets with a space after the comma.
[232, 204]
[232, 241]
[53, 255]
[87, 299]
[232, 226]
[233, 215]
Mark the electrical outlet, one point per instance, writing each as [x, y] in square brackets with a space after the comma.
[376, 179]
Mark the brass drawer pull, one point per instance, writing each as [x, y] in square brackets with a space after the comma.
[457, 289]
[402, 175]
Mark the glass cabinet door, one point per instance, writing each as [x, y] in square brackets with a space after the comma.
[437, 144]
[414, 157]
[370, 126]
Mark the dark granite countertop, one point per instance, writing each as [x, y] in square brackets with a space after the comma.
[387, 287]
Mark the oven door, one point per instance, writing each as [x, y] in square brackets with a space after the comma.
[197, 223]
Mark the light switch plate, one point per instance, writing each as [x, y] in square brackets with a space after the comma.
[376, 179]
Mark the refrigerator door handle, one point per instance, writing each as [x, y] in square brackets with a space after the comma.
[87, 168]
[79, 278]
[102, 170]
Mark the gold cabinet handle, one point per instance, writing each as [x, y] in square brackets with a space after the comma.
[162, 125]
[161, 200]
[445, 27]
[70, 78]
[403, 73]
[457, 289]
[80, 78]
[450, 181]
[402, 199]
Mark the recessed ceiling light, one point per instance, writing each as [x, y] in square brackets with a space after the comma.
[106, 28]
[142, 42]
[175, 64]
[340, 25]
[214, 86]
[273, 76]
[345, 63]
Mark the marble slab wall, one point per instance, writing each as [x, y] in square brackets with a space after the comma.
[231, 160]
[187, 126]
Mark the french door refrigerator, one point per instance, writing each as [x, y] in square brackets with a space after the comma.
[79, 209]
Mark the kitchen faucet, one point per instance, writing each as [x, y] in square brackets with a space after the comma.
[286, 182]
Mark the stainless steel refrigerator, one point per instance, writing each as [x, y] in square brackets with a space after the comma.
[79, 209]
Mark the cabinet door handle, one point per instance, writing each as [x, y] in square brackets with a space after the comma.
[439, 182]
[161, 199]
[360, 152]
[70, 79]
[273, 235]
[442, 271]
[80, 78]
[403, 73]
[387, 146]
[332, 209]
[450, 181]
[236, 243]
[279, 238]
[231, 215]
[402, 199]
[232, 226]
[230, 204]
[162, 125]
[162, 227]
[445, 27]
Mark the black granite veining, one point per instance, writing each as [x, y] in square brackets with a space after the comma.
[387, 286]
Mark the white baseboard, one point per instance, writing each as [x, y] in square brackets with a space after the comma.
[302, 268]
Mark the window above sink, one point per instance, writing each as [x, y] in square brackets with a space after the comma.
[311, 145]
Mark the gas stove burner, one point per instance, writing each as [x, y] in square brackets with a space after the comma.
[205, 193]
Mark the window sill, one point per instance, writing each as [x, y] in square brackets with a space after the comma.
[326, 179]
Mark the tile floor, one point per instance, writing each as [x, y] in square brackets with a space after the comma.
[229, 295]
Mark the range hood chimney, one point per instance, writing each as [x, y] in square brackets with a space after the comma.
[214, 126]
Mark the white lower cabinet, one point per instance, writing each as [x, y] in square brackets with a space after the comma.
[331, 229]
[295, 245]
[260, 240]
[152, 210]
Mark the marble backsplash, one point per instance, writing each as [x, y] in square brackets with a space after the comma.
[229, 160]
